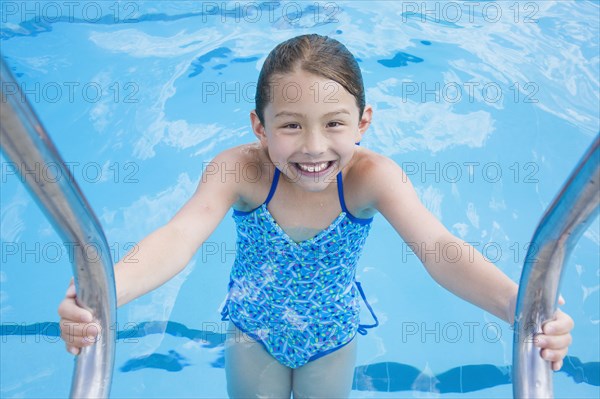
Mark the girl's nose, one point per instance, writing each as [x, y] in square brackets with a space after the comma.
[315, 143]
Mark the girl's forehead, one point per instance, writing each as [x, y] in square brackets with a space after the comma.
[303, 88]
[301, 77]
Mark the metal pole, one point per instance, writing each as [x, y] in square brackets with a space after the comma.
[25, 142]
[567, 218]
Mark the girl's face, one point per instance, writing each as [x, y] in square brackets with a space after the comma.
[311, 127]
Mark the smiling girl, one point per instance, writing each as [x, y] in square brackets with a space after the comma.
[301, 225]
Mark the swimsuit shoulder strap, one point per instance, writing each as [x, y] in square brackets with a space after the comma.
[340, 186]
[273, 186]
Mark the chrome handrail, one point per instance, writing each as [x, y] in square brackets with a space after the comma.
[567, 218]
[25, 142]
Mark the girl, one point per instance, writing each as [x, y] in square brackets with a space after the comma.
[301, 225]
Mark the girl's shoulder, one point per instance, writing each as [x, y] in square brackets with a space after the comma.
[368, 178]
[246, 162]
[247, 169]
[368, 165]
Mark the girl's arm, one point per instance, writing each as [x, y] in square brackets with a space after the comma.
[166, 251]
[163, 253]
[453, 263]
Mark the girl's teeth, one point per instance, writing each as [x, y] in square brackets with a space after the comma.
[313, 167]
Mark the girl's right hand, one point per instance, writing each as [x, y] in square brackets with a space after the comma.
[77, 325]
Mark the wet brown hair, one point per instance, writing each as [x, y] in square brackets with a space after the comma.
[316, 54]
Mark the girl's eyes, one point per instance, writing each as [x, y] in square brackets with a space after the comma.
[294, 126]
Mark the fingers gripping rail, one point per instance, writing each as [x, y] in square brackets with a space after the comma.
[567, 218]
[25, 142]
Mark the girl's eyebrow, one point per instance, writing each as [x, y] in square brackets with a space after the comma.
[339, 111]
[299, 115]
[288, 113]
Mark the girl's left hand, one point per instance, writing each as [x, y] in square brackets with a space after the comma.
[555, 338]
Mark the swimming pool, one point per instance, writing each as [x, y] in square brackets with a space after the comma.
[487, 106]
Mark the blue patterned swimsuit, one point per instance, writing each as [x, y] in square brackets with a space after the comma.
[299, 299]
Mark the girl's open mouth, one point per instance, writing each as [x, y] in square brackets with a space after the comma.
[314, 169]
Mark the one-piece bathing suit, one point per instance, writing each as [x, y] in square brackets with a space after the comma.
[299, 299]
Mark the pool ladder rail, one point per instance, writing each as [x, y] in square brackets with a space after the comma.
[570, 213]
[25, 142]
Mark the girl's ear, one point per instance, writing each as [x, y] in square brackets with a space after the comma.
[365, 121]
[258, 128]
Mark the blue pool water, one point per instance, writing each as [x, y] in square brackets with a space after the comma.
[486, 105]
